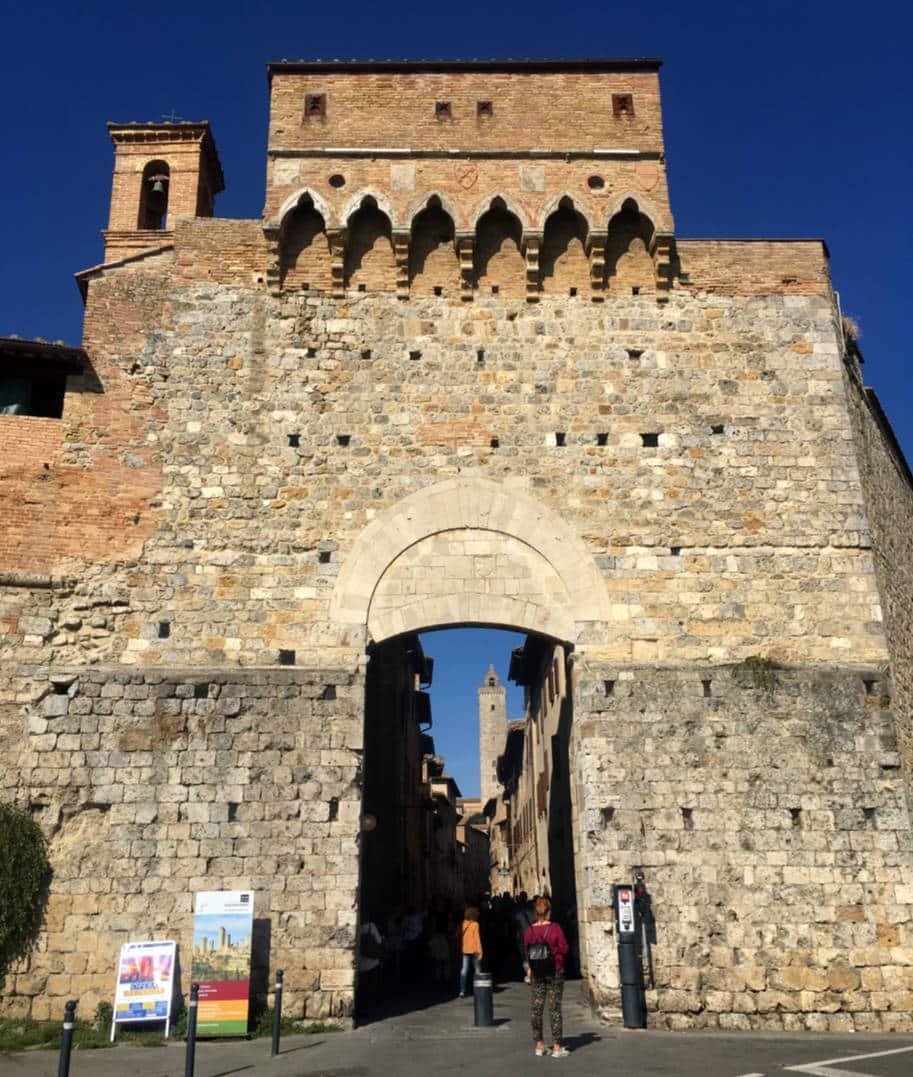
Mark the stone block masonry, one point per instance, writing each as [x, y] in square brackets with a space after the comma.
[153, 785]
[462, 372]
[782, 900]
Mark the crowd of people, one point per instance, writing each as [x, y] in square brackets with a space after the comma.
[507, 936]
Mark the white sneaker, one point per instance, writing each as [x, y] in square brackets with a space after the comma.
[540, 1051]
[560, 1052]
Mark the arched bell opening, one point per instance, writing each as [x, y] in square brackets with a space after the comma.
[304, 258]
[153, 200]
[629, 264]
[370, 265]
[499, 265]
[434, 268]
[564, 267]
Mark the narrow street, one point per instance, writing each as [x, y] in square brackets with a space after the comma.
[438, 1037]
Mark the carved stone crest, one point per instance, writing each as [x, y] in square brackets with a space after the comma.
[467, 176]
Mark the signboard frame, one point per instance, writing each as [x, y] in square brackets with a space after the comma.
[150, 963]
[221, 957]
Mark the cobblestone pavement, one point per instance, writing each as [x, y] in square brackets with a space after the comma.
[440, 1038]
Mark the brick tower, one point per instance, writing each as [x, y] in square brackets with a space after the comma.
[161, 171]
[492, 727]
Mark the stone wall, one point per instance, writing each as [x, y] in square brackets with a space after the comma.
[153, 785]
[888, 487]
[664, 471]
[768, 813]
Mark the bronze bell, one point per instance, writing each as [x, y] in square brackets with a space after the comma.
[158, 187]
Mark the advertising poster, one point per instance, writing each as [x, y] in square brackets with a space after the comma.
[145, 983]
[222, 927]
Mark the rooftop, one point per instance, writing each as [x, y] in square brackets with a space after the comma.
[519, 66]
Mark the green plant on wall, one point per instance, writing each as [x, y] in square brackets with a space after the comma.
[24, 878]
[762, 671]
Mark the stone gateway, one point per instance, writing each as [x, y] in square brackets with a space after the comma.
[462, 372]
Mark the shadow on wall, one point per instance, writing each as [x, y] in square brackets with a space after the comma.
[370, 265]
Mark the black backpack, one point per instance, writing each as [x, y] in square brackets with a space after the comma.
[540, 957]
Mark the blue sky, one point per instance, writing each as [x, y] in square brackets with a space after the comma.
[782, 119]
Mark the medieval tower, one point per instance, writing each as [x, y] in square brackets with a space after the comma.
[464, 369]
[492, 730]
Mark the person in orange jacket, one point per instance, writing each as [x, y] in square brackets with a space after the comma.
[471, 947]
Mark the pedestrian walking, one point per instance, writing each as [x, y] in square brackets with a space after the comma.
[471, 947]
[546, 948]
[523, 919]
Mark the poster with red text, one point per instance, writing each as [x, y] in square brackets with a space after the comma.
[222, 926]
[145, 979]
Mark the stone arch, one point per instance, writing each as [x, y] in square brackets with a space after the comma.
[293, 201]
[434, 268]
[629, 265]
[564, 267]
[554, 203]
[370, 265]
[499, 265]
[641, 204]
[509, 204]
[485, 538]
[421, 204]
[304, 250]
[356, 202]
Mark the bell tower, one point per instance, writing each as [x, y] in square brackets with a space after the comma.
[492, 730]
[162, 171]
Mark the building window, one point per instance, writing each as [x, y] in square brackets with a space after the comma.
[32, 394]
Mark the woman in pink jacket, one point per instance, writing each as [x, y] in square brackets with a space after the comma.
[546, 947]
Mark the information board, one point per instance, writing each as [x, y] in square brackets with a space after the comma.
[222, 927]
[145, 983]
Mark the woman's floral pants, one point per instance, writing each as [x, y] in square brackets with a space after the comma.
[548, 988]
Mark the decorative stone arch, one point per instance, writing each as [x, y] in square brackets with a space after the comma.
[291, 204]
[470, 551]
[420, 204]
[354, 205]
[644, 207]
[512, 207]
[553, 205]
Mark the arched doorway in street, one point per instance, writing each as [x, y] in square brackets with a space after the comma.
[464, 554]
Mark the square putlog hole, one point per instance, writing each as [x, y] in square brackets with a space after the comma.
[622, 104]
[315, 104]
[442, 110]
[485, 108]
[286, 658]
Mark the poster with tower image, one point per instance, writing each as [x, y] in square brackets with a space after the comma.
[222, 926]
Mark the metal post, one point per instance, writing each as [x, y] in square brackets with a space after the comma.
[190, 1057]
[66, 1043]
[482, 1000]
[630, 967]
[277, 1013]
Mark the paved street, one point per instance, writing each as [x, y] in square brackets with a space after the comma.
[440, 1039]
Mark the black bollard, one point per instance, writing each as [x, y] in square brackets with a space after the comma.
[630, 968]
[190, 1056]
[66, 1043]
[483, 1000]
[277, 1013]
